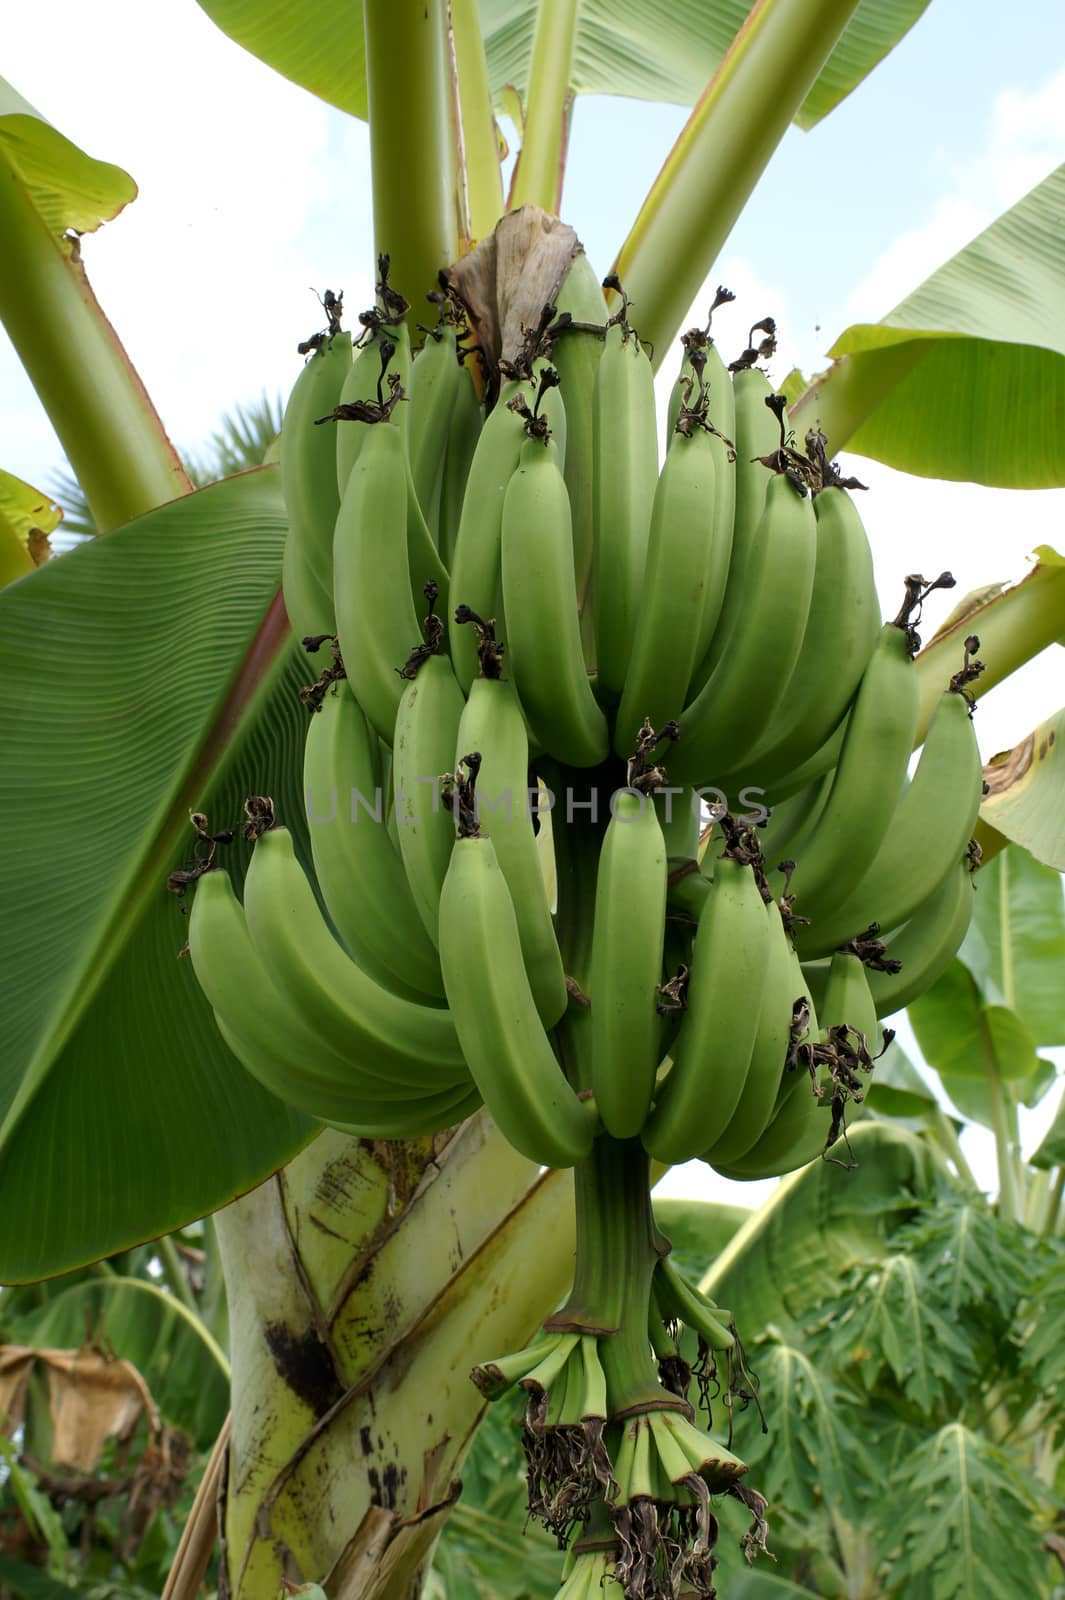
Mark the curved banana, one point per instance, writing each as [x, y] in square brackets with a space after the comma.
[869, 777]
[756, 433]
[630, 918]
[434, 387]
[625, 442]
[308, 476]
[374, 1029]
[359, 870]
[789, 818]
[427, 725]
[713, 1050]
[763, 640]
[475, 568]
[841, 629]
[675, 600]
[928, 834]
[756, 1105]
[575, 357]
[377, 624]
[492, 724]
[495, 1014]
[268, 1035]
[368, 380]
[542, 619]
[463, 436]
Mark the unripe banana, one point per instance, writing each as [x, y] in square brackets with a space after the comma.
[695, 1104]
[542, 620]
[928, 833]
[764, 638]
[927, 943]
[492, 724]
[675, 599]
[462, 440]
[630, 916]
[575, 356]
[269, 1036]
[841, 630]
[368, 380]
[377, 624]
[625, 478]
[427, 725]
[374, 1029]
[308, 482]
[870, 774]
[475, 571]
[756, 1105]
[434, 385]
[495, 1013]
[359, 870]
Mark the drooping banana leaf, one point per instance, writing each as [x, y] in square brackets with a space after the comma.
[662, 50]
[140, 676]
[965, 378]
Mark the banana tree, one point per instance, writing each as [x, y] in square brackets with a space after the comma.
[153, 673]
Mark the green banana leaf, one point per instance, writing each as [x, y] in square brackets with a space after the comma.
[965, 379]
[140, 676]
[663, 50]
[1015, 947]
[1027, 786]
[819, 1221]
[69, 189]
[1051, 1152]
[960, 1035]
[897, 1088]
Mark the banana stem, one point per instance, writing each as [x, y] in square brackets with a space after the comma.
[618, 1247]
[413, 156]
[1009, 1202]
[722, 151]
[1053, 1206]
[482, 180]
[96, 403]
[540, 167]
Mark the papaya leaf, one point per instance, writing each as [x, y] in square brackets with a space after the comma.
[1042, 1349]
[664, 50]
[962, 1521]
[922, 389]
[122, 1115]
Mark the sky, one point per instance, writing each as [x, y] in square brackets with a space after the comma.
[253, 194]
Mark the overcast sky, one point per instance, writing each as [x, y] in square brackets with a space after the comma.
[252, 191]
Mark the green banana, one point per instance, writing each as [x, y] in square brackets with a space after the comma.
[927, 943]
[462, 440]
[308, 481]
[756, 433]
[542, 619]
[675, 600]
[267, 1033]
[368, 1025]
[755, 1107]
[359, 871]
[492, 724]
[575, 356]
[789, 818]
[434, 387]
[625, 476]
[841, 629]
[630, 917]
[764, 639]
[376, 621]
[928, 833]
[495, 1014]
[427, 725]
[368, 381]
[713, 1050]
[869, 777]
[475, 569]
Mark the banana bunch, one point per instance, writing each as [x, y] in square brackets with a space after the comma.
[545, 650]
